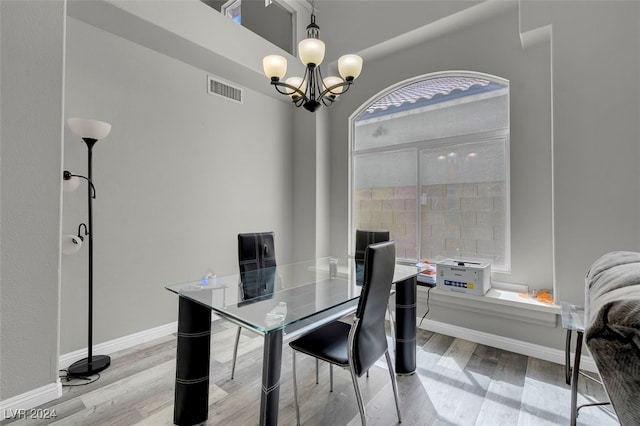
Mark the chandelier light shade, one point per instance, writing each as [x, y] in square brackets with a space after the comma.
[331, 82]
[311, 51]
[312, 90]
[275, 66]
[293, 82]
[350, 66]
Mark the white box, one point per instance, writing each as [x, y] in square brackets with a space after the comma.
[464, 276]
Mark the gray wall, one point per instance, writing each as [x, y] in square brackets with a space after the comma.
[573, 99]
[597, 135]
[350, 26]
[178, 178]
[311, 185]
[32, 54]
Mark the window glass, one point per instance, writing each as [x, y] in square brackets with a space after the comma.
[463, 201]
[441, 144]
[233, 10]
[385, 197]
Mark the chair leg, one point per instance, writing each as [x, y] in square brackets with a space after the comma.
[354, 376]
[392, 326]
[393, 383]
[235, 352]
[317, 368]
[295, 389]
[330, 377]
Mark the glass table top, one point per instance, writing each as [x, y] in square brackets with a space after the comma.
[572, 317]
[274, 298]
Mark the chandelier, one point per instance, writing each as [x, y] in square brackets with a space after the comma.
[311, 91]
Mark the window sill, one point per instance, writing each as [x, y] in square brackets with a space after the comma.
[497, 303]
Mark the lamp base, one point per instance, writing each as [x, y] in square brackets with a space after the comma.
[86, 368]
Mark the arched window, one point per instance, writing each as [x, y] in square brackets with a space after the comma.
[430, 163]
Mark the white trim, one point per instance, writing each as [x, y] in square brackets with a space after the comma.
[496, 303]
[30, 399]
[119, 344]
[50, 392]
[524, 348]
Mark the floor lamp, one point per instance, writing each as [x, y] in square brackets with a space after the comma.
[90, 131]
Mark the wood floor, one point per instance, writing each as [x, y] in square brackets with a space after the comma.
[457, 383]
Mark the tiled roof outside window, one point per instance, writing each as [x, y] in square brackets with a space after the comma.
[432, 90]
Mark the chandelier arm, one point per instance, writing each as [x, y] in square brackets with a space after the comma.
[327, 100]
[345, 84]
[296, 90]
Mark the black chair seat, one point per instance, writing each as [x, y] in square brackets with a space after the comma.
[359, 345]
[328, 343]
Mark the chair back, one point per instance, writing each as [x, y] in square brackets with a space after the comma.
[364, 238]
[257, 263]
[368, 340]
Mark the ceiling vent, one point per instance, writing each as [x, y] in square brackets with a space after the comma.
[215, 86]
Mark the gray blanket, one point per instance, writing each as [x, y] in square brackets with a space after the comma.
[612, 329]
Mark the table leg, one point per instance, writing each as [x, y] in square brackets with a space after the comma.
[271, 365]
[406, 296]
[574, 379]
[191, 402]
[567, 357]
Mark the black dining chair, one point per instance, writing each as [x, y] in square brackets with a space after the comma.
[363, 239]
[257, 264]
[359, 345]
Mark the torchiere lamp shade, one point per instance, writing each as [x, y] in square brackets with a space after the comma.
[89, 129]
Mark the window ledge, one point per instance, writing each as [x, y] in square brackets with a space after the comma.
[497, 303]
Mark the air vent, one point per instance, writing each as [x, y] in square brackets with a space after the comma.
[217, 87]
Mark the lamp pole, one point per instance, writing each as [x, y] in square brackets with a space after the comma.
[90, 143]
[93, 363]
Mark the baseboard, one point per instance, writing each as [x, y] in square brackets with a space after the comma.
[524, 348]
[13, 408]
[119, 344]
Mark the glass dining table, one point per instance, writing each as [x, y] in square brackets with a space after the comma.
[282, 303]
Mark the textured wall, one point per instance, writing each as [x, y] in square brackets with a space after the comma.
[32, 55]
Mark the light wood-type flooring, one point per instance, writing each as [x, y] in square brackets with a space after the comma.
[457, 383]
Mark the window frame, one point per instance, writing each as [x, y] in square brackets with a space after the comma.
[232, 5]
